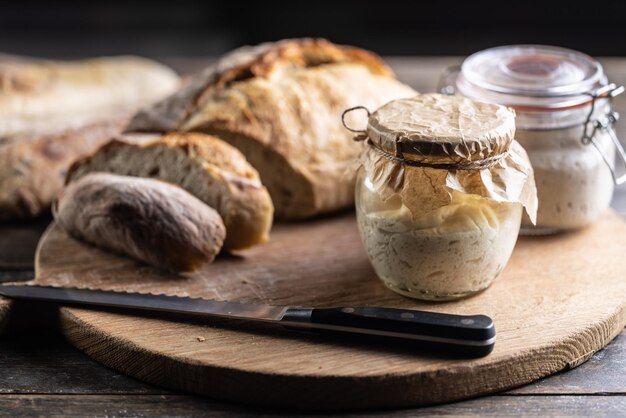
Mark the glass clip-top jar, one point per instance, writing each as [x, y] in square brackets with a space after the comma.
[439, 194]
[565, 119]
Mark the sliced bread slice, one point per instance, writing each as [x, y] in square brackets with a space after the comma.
[205, 166]
[150, 220]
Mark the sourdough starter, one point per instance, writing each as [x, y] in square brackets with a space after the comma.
[574, 183]
[453, 251]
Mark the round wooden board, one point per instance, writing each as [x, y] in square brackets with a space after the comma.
[559, 300]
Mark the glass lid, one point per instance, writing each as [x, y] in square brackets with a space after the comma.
[530, 75]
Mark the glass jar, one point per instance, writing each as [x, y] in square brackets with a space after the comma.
[564, 121]
[439, 194]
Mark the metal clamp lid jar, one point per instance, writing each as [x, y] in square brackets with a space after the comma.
[439, 194]
[564, 120]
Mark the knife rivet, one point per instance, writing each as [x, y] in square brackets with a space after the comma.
[467, 321]
[347, 310]
[407, 315]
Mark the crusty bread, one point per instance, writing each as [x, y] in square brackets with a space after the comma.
[34, 166]
[205, 166]
[281, 105]
[147, 219]
[42, 96]
[54, 112]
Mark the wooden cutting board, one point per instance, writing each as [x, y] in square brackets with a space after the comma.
[559, 300]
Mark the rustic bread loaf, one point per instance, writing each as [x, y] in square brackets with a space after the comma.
[205, 166]
[34, 167]
[42, 96]
[281, 105]
[147, 219]
[54, 112]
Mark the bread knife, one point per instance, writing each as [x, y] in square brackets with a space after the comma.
[466, 335]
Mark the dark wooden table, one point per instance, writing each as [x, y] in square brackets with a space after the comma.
[41, 374]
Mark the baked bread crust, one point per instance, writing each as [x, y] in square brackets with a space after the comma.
[54, 112]
[205, 166]
[281, 105]
[147, 219]
[268, 60]
[34, 167]
[43, 96]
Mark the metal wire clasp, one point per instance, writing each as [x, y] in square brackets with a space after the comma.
[446, 84]
[362, 133]
[605, 123]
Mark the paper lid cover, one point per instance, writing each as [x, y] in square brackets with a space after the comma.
[446, 129]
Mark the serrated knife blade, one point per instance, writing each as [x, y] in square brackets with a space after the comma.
[144, 301]
[469, 335]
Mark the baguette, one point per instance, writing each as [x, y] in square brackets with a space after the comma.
[43, 96]
[34, 167]
[280, 104]
[205, 166]
[54, 112]
[149, 220]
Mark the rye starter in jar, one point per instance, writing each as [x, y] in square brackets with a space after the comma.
[564, 121]
[440, 193]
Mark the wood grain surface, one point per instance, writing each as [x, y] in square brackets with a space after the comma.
[184, 406]
[55, 379]
[559, 300]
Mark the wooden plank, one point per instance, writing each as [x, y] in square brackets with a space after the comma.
[115, 406]
[178, 405]
[29, 368]
[527, 406]
[34, 362]
[39, 362]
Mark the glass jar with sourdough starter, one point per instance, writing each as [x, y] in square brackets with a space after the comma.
[440, 193]
[564, 121]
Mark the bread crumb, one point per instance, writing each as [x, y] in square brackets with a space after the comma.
[201, 339]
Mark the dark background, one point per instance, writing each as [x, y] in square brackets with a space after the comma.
[389, 27]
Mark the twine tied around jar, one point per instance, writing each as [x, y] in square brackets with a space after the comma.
[591, 126]
[399, 157]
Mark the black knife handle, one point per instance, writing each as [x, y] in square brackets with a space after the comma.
[470, 335]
